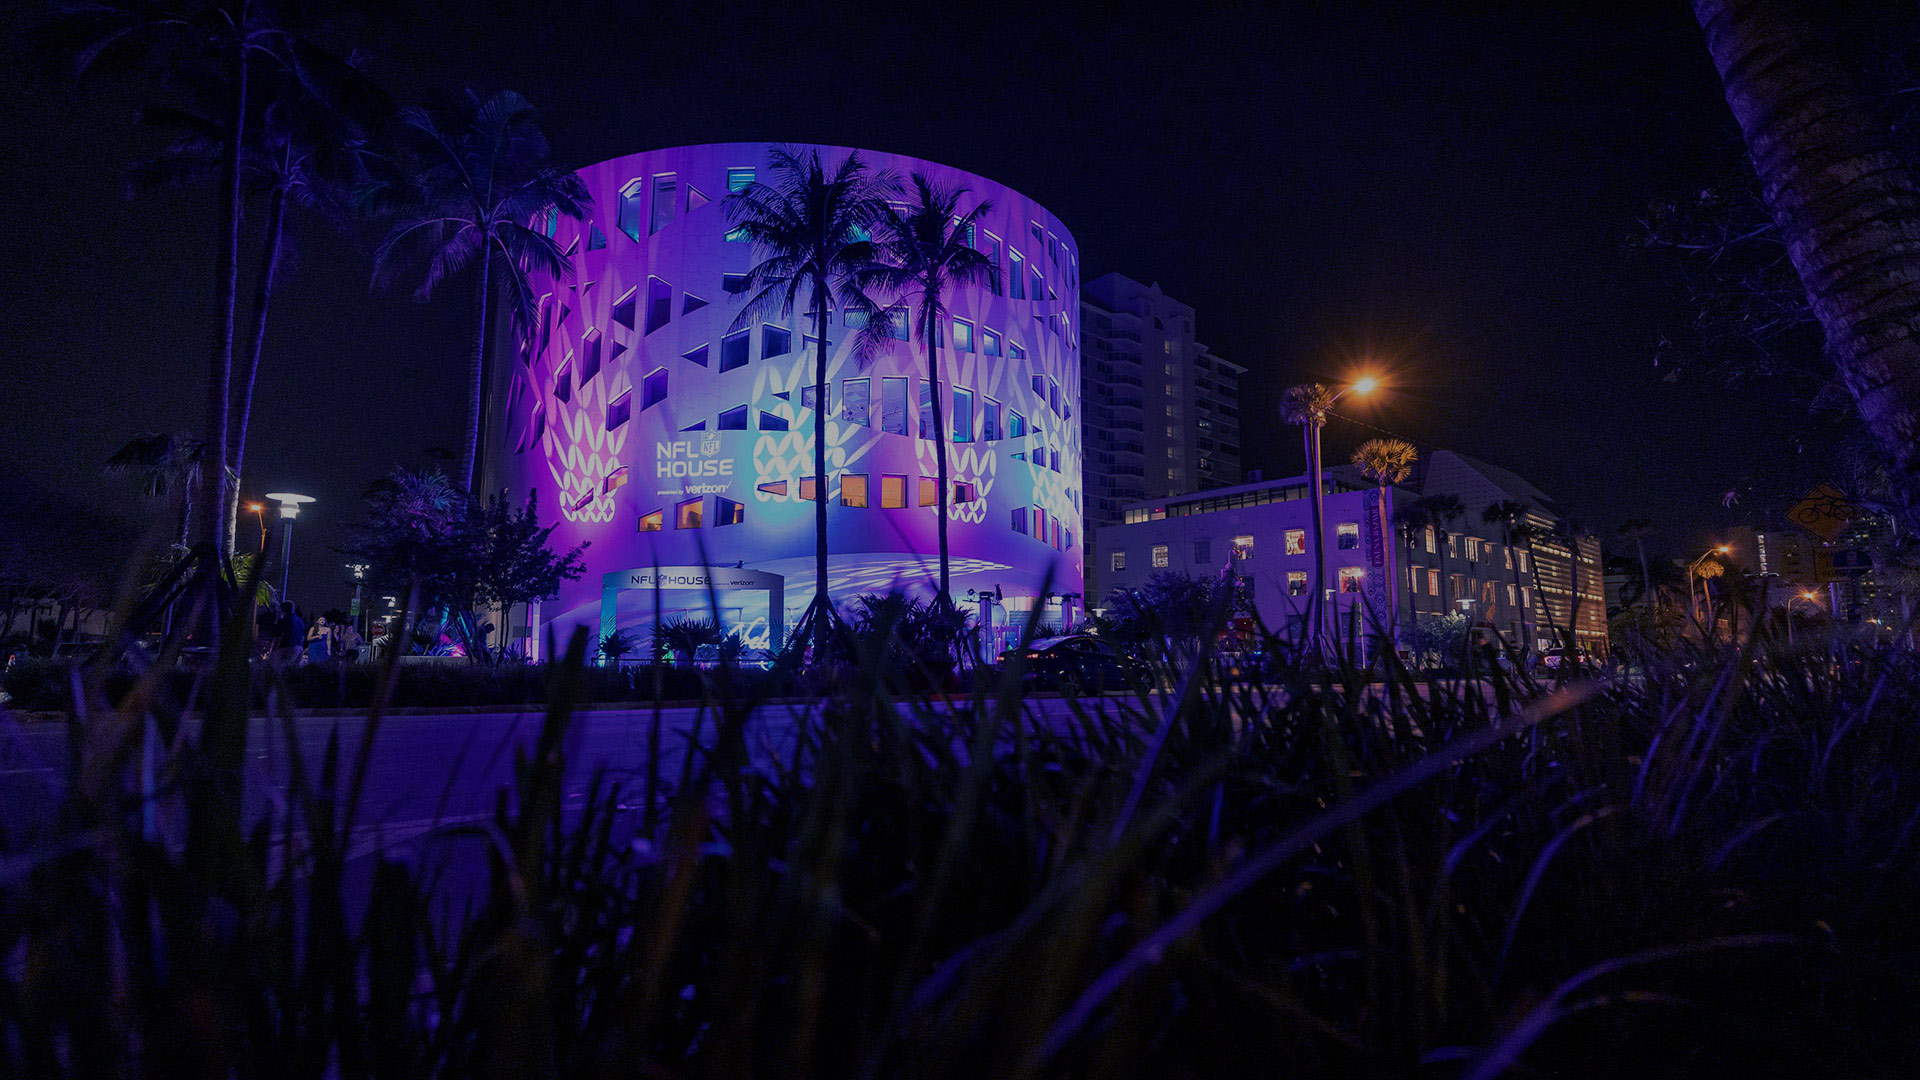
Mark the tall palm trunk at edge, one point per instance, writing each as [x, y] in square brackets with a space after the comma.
[823, 603]
[1845, 203]
[215, 476]
[476, 370]
[931, 331]
[1316, 497]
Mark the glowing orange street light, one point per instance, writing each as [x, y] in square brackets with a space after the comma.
[259, 511]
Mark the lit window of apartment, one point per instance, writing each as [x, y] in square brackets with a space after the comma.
[1119, 560]
[1453, 547]
[853, 489]
[1473, 549]
[893, 492]
[1159, 556]
[964, 491]
[652, 522]
[777, 488]
[1512, 597]
[1296, 541]
[929, 491]
[728, 512]
[1526, 596]
[1429, 532]
[1020, 523]
[1508, 552]
[1346, 535]
[1459, 583]
[1296, 583]
[1351, 579]
[809, 490]
[1243, 547]
[1523, 561]
[686, 515]
[1433, 582]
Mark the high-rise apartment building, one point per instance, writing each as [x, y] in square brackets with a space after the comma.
[1161, 413]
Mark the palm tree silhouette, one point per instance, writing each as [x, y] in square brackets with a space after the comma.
[477, 179]
[926, 249]
[1387, 462]
[166, 466]
[1637, 530]
[812, 227]
[1306, 405]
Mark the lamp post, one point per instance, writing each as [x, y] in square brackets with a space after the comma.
[289, 509]
[259, 511]
[1308, 405]
[359, 571]
[1692, 567]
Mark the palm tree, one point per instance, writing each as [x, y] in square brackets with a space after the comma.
[479, 178]
[1441, 512]
[1307, 405]
[1510, 517]
[812, 227]
[234, 46]
[927, 249]
[165, 466]
[1387, 462]
[1637, 530]
[305, 146]
[1844, 201]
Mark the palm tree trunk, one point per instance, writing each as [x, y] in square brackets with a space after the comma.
[214, 478]
[1646, 576]
[243, 407]
[930, 331]
[476, 368]
[1316, 498]
[1844, 201]
[823, 603]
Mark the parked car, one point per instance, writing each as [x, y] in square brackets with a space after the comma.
[1079, 662]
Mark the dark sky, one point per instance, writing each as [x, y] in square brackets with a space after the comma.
[1453, 194]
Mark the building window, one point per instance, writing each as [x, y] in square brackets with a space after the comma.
[989, 342]
[1296, 583]
[1526, 596]
[1015, 352]
[856, 401]
[733, 350]
[733, 284]
[563, 383]
[1459, 583]
[734, 419]
[686, 515]
[1487, 595]
[619, 411]
[652, 522]
[809, 490]
[777, 488]
[1453, 547]
[1053, 396]
[853, 489]
[893, 492]
[962, 336]
[1039, 284]
[774, 341]
[696, 356]
[664, 187]
[631, 198]
[1119, 560]
[1523, 562]
[1508, 552]
[929, 491]
[1016, 425]
[728, 512]
[1473, 549]
[1202, 551]
[653, 390]
[596, 239]
[1039, 524]
[772, 421]
[1513, 598]
[739, 179]
[1429, 532]
[1296, 541]
[624, 307]
[1016, 279]
[659, 304]
[1346, 535]
[962, 415]
[737, 235]
[1243, 547]
[926, 409]
[893, 405]
[1159, 556]
[964, 491]
[1433, 583]
[690, 303]
[1351, 578]
[989, 419]
[1020, 524]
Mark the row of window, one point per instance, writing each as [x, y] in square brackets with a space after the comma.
[1521, 595]
[1036, 522]
[1474, 548]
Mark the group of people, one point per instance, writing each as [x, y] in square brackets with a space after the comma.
[290, 639]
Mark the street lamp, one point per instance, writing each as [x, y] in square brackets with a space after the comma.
[1692, 567]
[1810, 597]
[289, 509]
[1308, 406]
[260, 515]
[359, 571]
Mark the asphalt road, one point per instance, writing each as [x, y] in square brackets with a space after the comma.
[426, 771]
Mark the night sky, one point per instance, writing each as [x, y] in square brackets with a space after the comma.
[1454, 195]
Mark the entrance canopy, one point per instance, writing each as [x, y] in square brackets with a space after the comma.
[717, 579]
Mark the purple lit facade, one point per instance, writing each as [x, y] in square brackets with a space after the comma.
[654, 430]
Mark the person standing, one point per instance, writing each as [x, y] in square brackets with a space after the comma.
[350, 643]
[319, 641]
[293, 634]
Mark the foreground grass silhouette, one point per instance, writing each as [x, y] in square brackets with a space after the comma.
[1708, 868]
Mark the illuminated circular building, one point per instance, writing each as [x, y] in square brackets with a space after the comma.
[655, 428]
